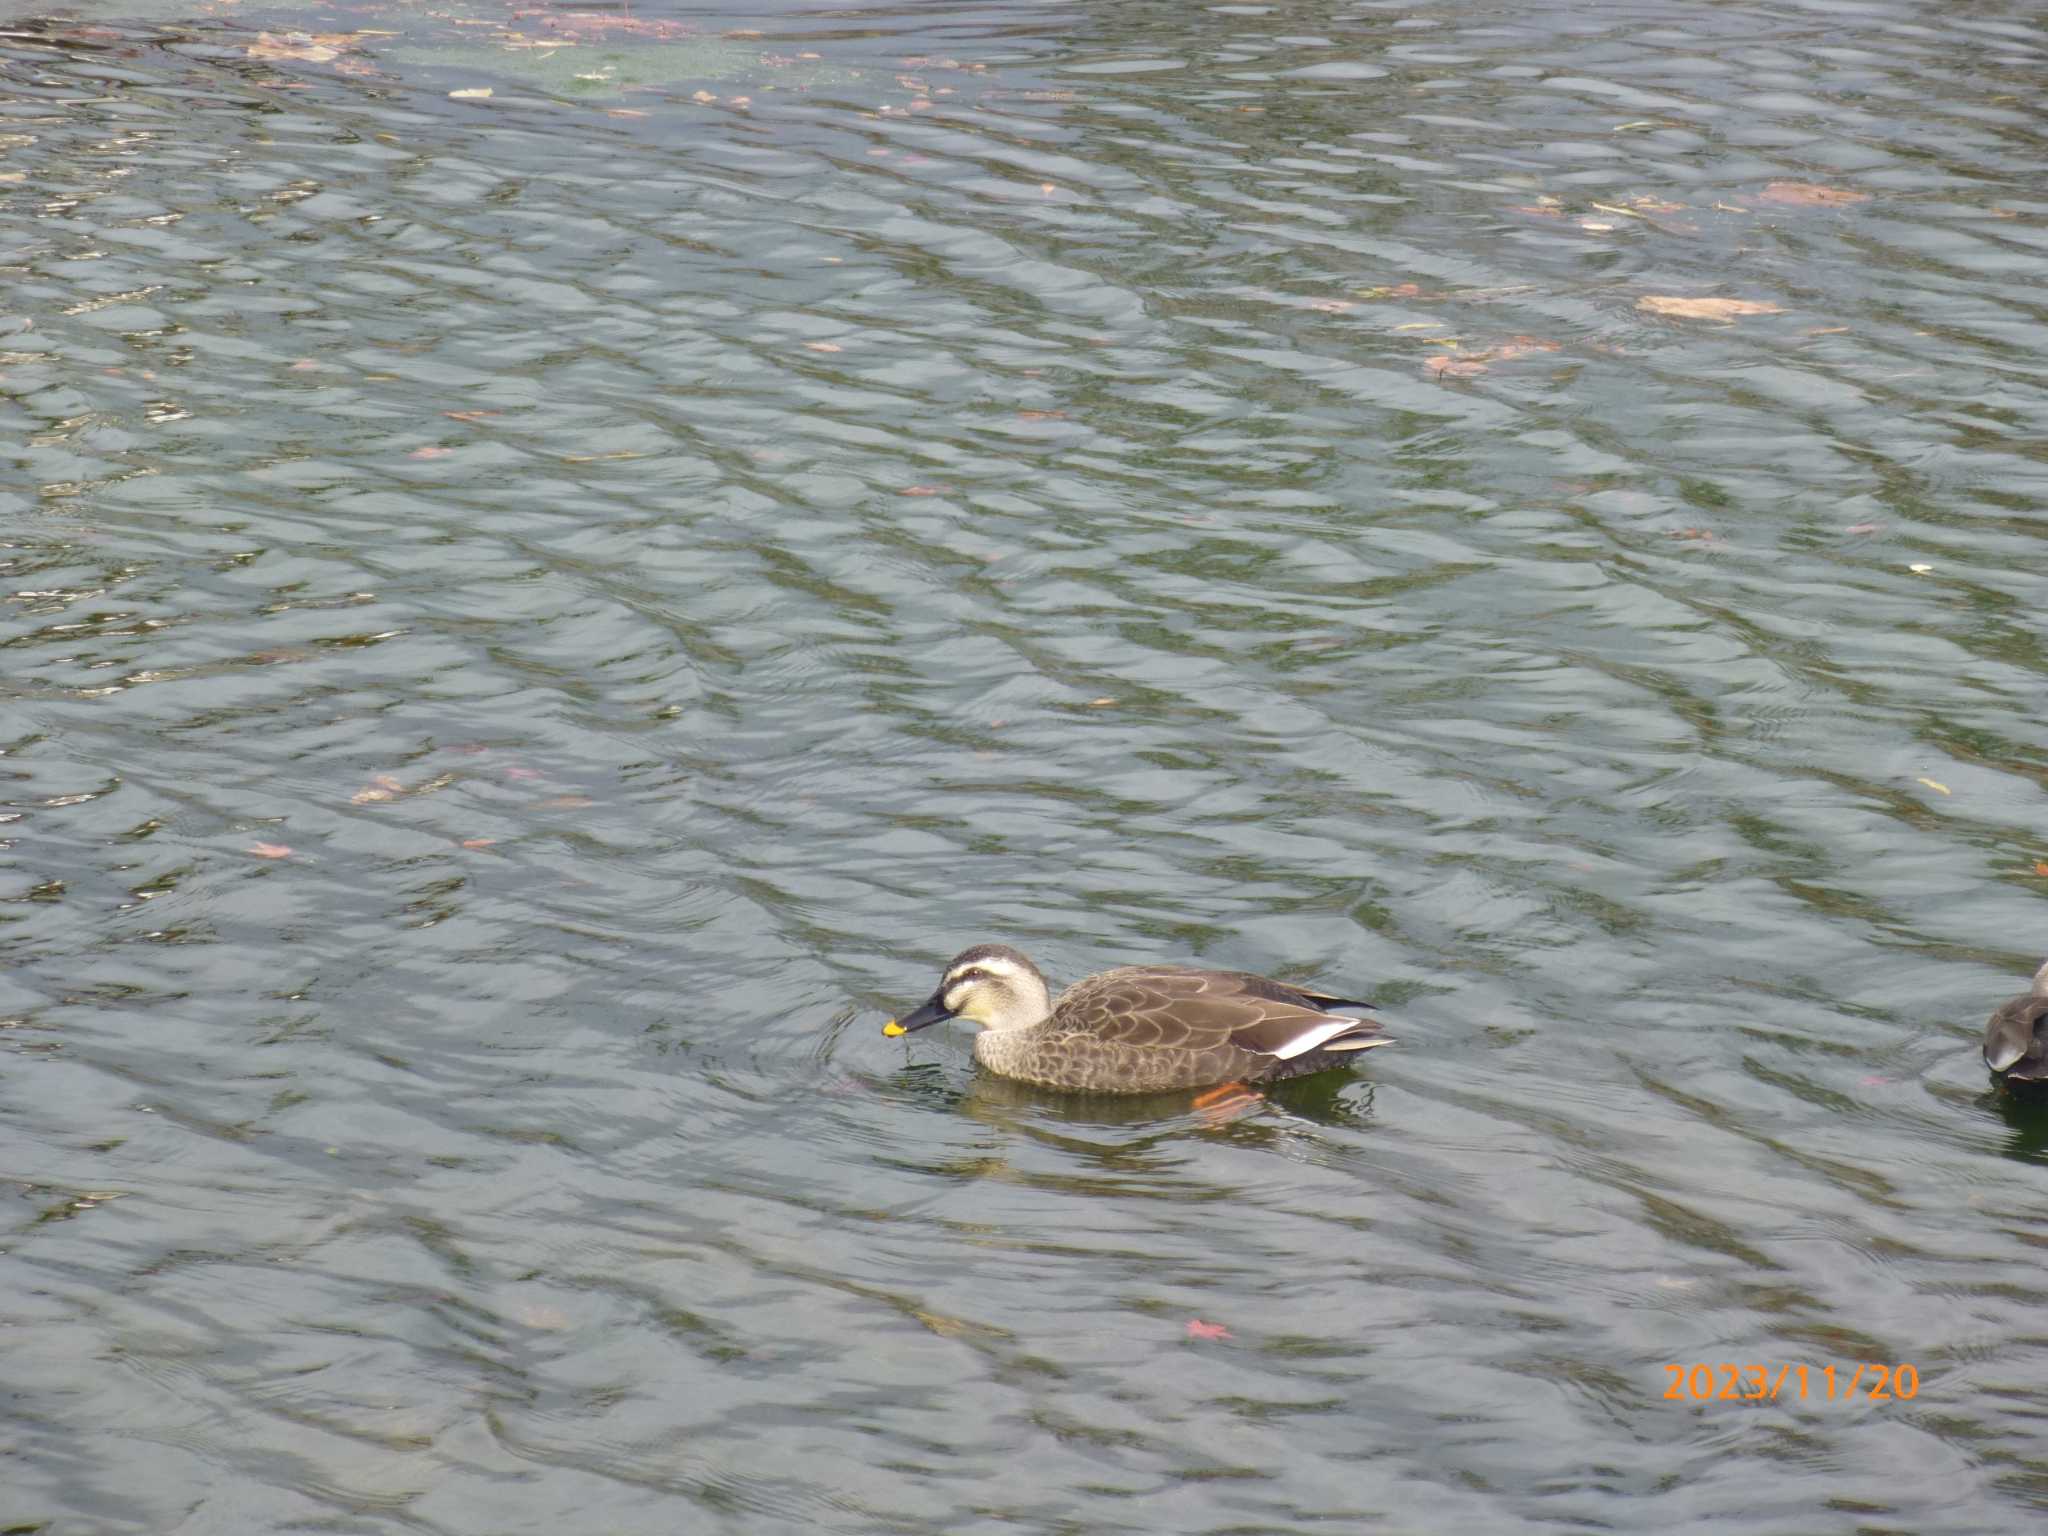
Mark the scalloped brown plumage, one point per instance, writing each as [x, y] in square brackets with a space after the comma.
[1145, 1028]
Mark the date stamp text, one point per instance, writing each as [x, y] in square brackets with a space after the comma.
[1728, 1382]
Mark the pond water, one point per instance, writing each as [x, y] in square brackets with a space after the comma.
[534, 620]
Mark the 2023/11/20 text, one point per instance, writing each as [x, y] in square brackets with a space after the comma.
[1729, 1382]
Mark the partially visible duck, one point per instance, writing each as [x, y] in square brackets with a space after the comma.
[1140, 1028]
[2016, 1039]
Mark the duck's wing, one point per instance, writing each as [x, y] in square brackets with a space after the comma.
[2016, 1039]
[1180, 1008]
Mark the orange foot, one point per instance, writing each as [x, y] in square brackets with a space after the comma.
[1226, 1101]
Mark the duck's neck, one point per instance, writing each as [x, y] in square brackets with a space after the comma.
[1031, 1005]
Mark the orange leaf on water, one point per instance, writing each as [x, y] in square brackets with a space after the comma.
[381, 787]
[2041, 867]
[824, 346]
[430, 452]
[270, 850]
[300, 45]
[1807, 194]
[1444, 366]
[1705, 309]
[1197, 1329]
[478, 842]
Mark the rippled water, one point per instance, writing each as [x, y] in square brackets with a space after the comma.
[676, 547]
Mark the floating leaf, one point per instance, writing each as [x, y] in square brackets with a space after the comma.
[1465, 364]
[431, 451]
[1937, 788]
[1446, 366]
[381, 787]
[1518, 346]
[306, 47]
[478, 842]
[2041, 868]
[1197, 1329]
[1919, 570]
[824, 346]
[473, 93]
[1705, 309]
[1807, 194]
[1861, 528]
[270, 850]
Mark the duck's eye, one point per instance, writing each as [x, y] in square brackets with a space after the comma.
[973, 976]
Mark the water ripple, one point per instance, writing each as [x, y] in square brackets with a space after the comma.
[531, 620]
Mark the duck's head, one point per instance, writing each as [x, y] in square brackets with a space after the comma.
[991, 985]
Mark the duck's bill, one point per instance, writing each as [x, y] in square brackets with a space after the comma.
[931, 1011]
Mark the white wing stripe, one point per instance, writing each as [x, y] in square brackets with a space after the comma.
[1309, 1039]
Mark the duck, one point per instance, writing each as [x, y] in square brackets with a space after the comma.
[2016, 1039]
[1141, 1028]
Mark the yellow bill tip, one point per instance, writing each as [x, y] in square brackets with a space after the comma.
[892, 1029]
